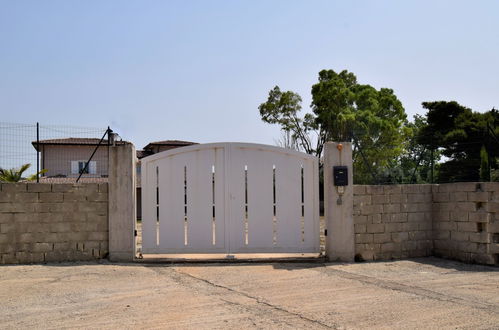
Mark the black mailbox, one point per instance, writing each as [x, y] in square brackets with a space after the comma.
[340, 175]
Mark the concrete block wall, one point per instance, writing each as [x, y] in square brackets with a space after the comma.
[53, 222]
[457, 220]
[392, 222]
[465, 223]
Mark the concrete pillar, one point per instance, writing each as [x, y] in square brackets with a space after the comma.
[122, 212]
[340, 239]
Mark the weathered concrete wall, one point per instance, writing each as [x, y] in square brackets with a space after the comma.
[465, 222]
[53, 222]
[338, 207]
[455, 221]
[393, 222]
[122, 199]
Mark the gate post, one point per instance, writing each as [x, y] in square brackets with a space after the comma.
[122, 209]
[340, 239]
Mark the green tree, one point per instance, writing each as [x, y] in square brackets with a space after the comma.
[16, 175]
[464, 137]
[343, 110]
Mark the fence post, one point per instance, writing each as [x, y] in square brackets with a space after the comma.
[122, 190]
[340, 239]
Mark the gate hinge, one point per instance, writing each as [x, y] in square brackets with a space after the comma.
[325, 232]
[135, 232]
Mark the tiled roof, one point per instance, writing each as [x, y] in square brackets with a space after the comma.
[173, 143]
[72, 180]
[71, 141]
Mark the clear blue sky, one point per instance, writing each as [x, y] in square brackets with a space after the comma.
[197, 70]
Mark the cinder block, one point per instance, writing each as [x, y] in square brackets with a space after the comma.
[391, 208]
[357, 190]
[440, 216]
[363, 238]
[440, 197]
[447, 225]
[490, 186]
[7, 197]
[62, 246]
[366, 255]
[394, 217]
[50, 217]
[390, 247]
[374, 190]
[410, 188]
[393, 189]
[416, 217]
[492, 207]
[30, 197]
[382, 238]
[467, 226]
[380, 199]
[393, 227]
[62, 187]
[485, 259]
[419, 198]
[358, 219]
[459, 216]
[361, 200]
[42, 247]
[8, 258]
[98, 236]
[50, 197]
[478, 196]
[398, 198]
[409, 245]
[410, 226]
[24, 237]
[468, 246]
[459, 235]
[97, 197]
[482, 237]
[426, 188]
[14, 187]
[39, 187]
[442, 235]
[372, 209]
[479, 216]
[452, 187]
[360, 228]
[426, 225]
[6, 228]
[60, 227]
[375, 228]
[103, 188]
[74, 197]
[400, 237]
[417, 235]
[458, 196]
[374, 218]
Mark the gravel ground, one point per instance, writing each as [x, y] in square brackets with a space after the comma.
[420, 293]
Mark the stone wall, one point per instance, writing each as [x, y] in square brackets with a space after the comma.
[455, 221]
[392, 222]
[53, 222]
[464, 222]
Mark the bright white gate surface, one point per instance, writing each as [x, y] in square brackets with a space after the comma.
[230, 198]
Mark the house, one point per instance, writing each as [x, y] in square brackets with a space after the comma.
[66, 158]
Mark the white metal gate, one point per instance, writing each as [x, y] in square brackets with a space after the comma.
[230, 198]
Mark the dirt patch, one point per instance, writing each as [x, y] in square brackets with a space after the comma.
[422, 293]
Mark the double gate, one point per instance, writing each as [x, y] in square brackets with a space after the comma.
[230, 198]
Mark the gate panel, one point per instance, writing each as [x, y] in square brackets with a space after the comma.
[230, 198]
[251, 189]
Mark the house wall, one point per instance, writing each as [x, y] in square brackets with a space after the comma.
[53, 222]
[457, 221]
[57, 159]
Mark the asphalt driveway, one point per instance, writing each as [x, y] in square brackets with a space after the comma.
[420, 293]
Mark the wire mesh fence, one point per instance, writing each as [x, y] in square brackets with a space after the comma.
[60, 153]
